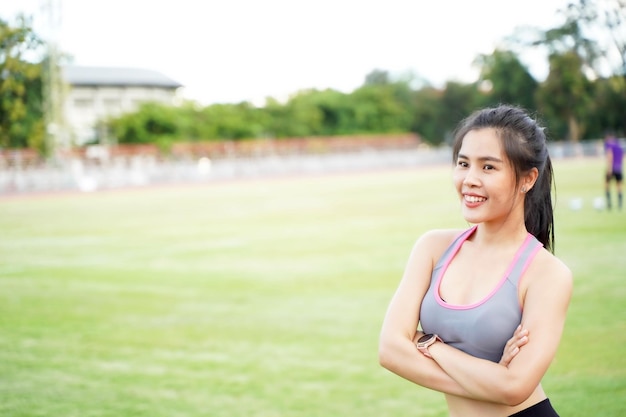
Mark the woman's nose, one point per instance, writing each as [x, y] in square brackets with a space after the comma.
[471, 179]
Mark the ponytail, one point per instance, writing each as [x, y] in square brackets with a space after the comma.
[538, 208]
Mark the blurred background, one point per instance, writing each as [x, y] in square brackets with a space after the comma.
[99, 95]
[206, 206]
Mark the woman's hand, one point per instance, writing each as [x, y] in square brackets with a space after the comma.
[512, 347]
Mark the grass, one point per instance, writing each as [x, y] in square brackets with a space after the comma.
[264, 297]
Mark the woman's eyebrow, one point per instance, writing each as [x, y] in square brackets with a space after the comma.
[482, 158]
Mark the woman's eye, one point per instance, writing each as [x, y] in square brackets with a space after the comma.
[488, 167]
[462, 164]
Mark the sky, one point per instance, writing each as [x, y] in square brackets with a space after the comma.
[228, 51]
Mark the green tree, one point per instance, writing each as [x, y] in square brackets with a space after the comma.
[382, 108]
[235, 121]
[299, 117]
[594, 29]
[510, 82]
[192, 123]
[151, 123]
[607, 107]
[590, 42]
[377, 77]
[614, 19]
[336, 111]
[565, 94]
[459, 100]
[572, 35]
[21, 105]
[437, 112]
[430, 116]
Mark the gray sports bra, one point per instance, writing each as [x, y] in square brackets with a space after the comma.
[481, 329]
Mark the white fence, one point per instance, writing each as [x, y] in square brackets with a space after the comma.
[136, 171]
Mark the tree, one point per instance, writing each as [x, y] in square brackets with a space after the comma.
[299, 117]
[151, 123]
[594, 29]
[21, 104]
[572, 36]
[377, 77]
[337, 114]
[593, 42]
[607, 107]
[509, 79]
[565, 93]
[459, 100]
[430, 115]
[614, 20]
[382, 108]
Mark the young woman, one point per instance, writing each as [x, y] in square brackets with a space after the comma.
[491, 289]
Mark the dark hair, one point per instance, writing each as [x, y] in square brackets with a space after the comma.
[524, 143]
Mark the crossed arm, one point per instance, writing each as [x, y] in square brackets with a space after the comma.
[454, 372]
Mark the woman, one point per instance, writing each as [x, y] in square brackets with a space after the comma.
[473, 290]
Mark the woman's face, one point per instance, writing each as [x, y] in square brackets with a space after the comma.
[484, 178]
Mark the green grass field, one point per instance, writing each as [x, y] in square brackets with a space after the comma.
[264, 297]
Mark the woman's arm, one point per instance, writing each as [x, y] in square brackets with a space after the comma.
[545, 305]
[397, 350]
[511, 349]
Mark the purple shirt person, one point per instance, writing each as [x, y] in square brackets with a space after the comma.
[614, 157]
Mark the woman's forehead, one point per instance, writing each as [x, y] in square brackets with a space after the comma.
[479, 141]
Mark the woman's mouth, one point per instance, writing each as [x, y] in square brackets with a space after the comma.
[474, 199]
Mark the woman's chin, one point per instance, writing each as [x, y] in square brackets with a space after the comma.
[471, 216]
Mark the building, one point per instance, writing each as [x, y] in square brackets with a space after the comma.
[96, 93]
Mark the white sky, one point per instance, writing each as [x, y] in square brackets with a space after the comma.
[235, 50]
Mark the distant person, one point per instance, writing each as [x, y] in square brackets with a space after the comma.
[471, 290]
[614, 157]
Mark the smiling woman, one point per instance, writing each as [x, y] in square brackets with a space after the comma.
[479, 313]
[483, 178]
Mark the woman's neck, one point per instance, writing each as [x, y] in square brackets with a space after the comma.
[500, 234]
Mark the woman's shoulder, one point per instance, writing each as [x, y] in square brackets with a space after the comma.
[435, 235]
[431, 245]
[547, 264]
[437, 240]
[547, 283]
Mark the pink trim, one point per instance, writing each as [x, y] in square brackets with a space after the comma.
[444, 267]
[442, 303]
[530, 258]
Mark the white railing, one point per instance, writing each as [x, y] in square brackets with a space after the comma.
[141, 170]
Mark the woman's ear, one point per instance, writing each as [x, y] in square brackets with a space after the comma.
[528, 181]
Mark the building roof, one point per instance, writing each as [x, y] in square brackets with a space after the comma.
[115, 76]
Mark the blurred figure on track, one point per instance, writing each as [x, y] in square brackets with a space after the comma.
[614, 157]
